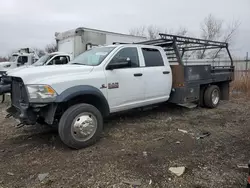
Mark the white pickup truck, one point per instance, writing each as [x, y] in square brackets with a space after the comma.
[55, 58]
[24, 56]
[106, 80]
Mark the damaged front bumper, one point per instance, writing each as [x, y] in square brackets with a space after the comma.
[22, 109]
[28, 114]
[23, 113]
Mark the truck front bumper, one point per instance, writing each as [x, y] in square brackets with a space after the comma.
[24, 114]
[28, 114]
[2, 73]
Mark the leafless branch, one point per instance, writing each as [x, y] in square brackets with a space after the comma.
[51, 48]
[212, 29]
[152, 32]
[139, 31]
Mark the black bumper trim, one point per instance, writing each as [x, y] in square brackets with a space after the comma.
[25, 114]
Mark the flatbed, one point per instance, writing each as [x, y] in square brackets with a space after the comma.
[190, 81]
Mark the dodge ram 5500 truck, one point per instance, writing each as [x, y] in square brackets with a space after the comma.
[111, 79]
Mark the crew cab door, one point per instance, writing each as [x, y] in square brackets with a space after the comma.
[125, 85]
[157, 75]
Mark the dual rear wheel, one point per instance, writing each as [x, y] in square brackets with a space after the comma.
[211, 97]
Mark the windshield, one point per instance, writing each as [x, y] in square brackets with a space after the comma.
[92, 57]
[13, 58]
[42, 60]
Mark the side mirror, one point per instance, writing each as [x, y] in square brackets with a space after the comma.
[119, 63]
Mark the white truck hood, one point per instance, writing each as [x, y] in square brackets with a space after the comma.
[5, 63]
[10, 71]
[36, 75]
[2, 64]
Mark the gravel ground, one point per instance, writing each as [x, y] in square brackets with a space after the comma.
[137, 147]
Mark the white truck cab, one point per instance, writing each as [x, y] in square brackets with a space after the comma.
[24, 56]
[55, 58]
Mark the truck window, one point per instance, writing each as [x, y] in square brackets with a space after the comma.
[42, 60]
[59, 60]
[131, 53]
[64, 60]
[152, 57]
[92, 57]
[22, 60]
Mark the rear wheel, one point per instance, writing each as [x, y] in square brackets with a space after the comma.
[80, 126]
[212, 96]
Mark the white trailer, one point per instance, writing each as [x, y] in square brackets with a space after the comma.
[76, 41]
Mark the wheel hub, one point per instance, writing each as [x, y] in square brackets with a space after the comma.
[215, 96]
[84, 126]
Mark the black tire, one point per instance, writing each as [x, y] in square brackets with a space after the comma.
[67, 119]
[201, 99]
[208, 99]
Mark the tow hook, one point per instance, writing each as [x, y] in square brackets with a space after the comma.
[19, 125]
[8, 116]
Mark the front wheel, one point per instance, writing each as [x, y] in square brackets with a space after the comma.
[212, 96]
[80, 126]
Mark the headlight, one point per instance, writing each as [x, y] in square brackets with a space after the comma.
[41, 93]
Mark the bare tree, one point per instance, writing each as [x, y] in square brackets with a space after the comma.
[138, 31]
[212, 29]
[152, 32]
[39, 52]
[2, 59]
[51, 48]
[181, 31]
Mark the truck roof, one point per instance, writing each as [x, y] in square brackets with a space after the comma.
[72, 32]
[58, 53]
[22, 54]
[131, 45]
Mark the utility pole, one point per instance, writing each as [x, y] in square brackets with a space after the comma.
[247, 62]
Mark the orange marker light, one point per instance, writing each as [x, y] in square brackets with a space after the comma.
[50, 90]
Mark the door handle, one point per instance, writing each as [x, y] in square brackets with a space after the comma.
[165, 72]
[138, 74]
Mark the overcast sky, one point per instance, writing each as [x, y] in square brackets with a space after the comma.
[33, 23]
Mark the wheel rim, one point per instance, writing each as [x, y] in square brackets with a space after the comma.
[215, 96]
[84, 126]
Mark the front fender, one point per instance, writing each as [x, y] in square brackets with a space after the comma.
[75, 91]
